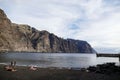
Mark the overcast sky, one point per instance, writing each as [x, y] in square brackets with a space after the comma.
[96, 21]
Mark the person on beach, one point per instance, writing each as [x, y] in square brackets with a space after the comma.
[11, 67]
[13, 64]
[33, 68]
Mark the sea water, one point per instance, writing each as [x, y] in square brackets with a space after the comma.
[60, 60]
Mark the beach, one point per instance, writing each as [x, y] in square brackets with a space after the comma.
[24, 73]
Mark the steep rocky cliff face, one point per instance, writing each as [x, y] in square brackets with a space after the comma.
[12, 36]
[18, 37]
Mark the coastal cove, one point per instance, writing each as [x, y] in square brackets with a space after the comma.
[58, 60]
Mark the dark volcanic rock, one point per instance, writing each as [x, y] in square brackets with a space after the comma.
[19, 37]
[107, 68]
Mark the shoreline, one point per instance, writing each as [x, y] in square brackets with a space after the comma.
[67, 68]
[24, 73]
[41, 52]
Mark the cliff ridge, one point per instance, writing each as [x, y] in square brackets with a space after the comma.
[20, 37]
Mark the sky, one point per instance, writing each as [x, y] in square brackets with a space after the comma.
[95, 21]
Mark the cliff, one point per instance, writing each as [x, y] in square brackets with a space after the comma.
[19, 37]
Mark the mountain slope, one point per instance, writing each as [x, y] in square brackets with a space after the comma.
[19, 37]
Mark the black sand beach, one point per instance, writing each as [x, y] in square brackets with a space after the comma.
[24, 73]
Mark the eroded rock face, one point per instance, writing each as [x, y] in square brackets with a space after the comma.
[12, 36]
[19, 37]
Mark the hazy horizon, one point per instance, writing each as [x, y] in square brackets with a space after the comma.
[95, 21]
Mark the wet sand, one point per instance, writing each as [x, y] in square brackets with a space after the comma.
[24, 73]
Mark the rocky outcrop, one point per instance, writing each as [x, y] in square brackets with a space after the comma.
[19, 37]
[106, 68]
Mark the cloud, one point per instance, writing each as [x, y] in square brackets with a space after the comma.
[103, 31]
[96, 21]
